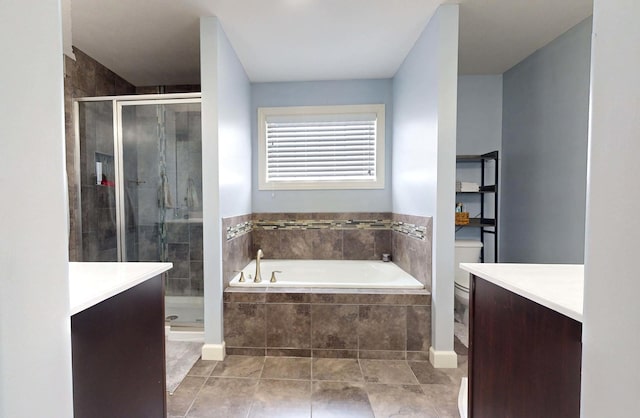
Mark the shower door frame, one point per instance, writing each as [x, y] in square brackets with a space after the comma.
[117, 103]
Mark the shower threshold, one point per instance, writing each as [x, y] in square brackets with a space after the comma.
[184, 318]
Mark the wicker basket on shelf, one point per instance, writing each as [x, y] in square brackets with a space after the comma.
[462, 218]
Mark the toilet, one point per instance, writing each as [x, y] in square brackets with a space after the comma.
[467, 251]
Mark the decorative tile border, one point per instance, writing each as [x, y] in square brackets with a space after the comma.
[408, 229]
[334, 224]
[237, 230]
[411, 230]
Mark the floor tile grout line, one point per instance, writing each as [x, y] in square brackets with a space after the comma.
[196, 397]
[311, 395]
[366, 385]
[255, 391]
[199, 390]
[413, 373]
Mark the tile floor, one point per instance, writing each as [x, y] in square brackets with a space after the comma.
[293, 387]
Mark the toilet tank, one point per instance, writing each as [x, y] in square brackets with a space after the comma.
[467, 251]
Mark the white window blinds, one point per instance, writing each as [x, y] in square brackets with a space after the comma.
[318, 150]
[331, 150]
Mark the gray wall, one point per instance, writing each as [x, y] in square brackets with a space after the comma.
[544, 152]
[320, 93]
[479, 131]
[424, 134]
[610, 367]
[35, 327]
[479, 126]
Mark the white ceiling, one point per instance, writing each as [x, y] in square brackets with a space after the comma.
[156, 42]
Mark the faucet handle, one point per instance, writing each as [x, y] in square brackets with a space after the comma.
[273, 276]
[241, 280]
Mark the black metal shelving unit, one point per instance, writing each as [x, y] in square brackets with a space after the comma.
[486, 225]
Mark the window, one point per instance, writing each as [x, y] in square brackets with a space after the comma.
[321, 147]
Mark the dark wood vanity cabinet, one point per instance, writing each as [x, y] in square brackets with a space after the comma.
[524, 358]
[118, 355]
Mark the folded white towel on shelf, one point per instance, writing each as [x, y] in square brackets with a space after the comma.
[466, 186]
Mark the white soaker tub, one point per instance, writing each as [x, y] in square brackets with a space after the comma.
[353, 274]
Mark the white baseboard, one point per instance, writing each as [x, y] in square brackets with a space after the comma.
[443, 359]
[213, 351]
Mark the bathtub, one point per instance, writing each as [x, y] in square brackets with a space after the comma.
[353, 274]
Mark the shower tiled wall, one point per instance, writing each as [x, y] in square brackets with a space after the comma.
[184, 250]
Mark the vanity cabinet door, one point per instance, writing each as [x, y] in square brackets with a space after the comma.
[118, 355]
[524, 358]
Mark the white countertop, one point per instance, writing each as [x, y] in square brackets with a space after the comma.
[557, 286]
[91, 283]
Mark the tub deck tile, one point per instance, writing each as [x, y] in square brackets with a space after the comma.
[382, 327]
[245, 324]
[241, 294]
[338, 323]
[288, 325]
[287, 297]
[418, 328]
[334, 326]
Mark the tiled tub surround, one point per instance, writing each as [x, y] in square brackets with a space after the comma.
[322, 236]
[349, 323]
[329, 236]
[237, 243]
[411, 245]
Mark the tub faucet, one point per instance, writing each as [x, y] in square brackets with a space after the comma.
[258, 278]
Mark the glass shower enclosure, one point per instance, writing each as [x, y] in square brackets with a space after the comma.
[140, 183]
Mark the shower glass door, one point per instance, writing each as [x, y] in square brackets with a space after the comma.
[160, 154]
[95, 129]
[140, 186]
